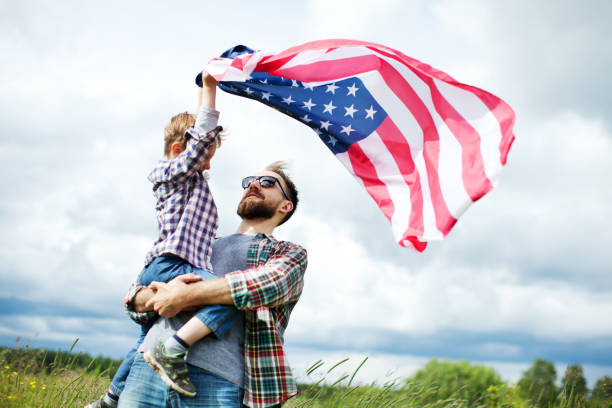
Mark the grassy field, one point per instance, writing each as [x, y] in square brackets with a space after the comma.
[40, 378]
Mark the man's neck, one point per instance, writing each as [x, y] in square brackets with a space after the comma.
[256, 226]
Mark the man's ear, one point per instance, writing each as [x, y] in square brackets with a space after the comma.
[286, 207]
[176, 149]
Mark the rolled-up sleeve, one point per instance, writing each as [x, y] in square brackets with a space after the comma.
[279, 281]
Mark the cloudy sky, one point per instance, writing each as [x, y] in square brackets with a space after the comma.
[87, 88]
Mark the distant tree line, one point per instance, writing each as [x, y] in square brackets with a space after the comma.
[478, 385]
[40, 360]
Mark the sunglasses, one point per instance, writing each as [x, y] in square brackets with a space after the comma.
[264, 182]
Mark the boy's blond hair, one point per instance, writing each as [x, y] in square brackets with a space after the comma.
[175, 131]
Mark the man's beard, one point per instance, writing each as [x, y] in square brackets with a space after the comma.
[253, 209]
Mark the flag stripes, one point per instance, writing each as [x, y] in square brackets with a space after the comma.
[438, 145]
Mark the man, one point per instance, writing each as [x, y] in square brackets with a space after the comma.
[265, 281]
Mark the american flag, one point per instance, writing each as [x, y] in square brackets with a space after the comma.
[423, 145]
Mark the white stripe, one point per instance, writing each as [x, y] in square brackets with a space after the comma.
[472, 109]
[413, 134]
[346, 162]
[222, 69]
[450, 165]
[323, 55]
[305, 58]
[388, 172]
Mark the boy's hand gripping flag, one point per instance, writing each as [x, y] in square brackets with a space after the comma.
[422, 144]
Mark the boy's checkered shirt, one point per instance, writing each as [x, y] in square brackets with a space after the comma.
[186, 212]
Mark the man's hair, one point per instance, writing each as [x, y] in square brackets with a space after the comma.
[175, 131]
[280, 167]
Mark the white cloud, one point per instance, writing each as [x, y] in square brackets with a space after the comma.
[348, 289]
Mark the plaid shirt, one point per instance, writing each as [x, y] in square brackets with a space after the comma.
[267, 291]
[186, 213]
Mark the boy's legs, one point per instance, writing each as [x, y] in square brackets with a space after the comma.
[118, 382]
[168, 358]
[163, 269]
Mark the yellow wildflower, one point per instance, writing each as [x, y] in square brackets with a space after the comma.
[7, 367]
[14, 372]
[32, 382]
[33, 386]
[43, 388]
[9, 396]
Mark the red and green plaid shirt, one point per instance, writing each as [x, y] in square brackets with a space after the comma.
[267, 291]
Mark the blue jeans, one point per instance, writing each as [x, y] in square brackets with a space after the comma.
[218, 318]
[144, 388]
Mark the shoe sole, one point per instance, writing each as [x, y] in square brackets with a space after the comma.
[164, 377]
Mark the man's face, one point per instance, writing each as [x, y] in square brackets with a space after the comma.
[259, 202]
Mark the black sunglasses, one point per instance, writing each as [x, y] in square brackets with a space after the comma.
[264, 182]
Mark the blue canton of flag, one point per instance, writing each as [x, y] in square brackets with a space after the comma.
[341, 112]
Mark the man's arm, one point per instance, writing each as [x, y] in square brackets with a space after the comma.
[278, 281]
[177, 295]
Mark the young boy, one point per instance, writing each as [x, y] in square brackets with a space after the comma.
[187, 222]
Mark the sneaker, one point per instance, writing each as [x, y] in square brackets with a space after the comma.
[171, 369]
[99, 404]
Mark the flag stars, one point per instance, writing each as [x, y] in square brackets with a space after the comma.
[352, 90]
[332, 88]
[306, 119]
[332, 141]
[370, 113]
[288, 100]
[308, 104]
[294, 83]
[308, 86]
[329, 107]
[347, 129]
[350, 110]
[325, 125]
[248, 90]
[264, 81]
[266, 95]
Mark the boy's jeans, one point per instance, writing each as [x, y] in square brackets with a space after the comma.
[218, 318]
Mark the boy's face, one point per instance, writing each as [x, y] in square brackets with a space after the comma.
[206, 165]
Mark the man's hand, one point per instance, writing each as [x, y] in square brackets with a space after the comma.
[171, 298]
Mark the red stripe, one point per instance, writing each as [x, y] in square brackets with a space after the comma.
[475, 179]
[501, 110]
[364, 169]
[401, 152]
[418, 245]
[431, 141]
[329, 70]
[505, 117]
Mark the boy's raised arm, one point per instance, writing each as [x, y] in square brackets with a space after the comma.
[208, 92]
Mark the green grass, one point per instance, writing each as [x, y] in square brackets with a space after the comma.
[41, 378]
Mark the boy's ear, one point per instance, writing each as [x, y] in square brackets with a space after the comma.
[176, 149]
